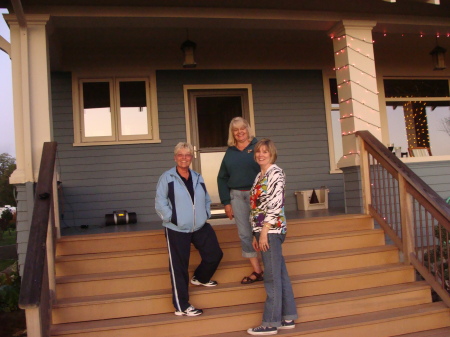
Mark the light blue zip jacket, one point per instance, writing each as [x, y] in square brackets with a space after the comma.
[174, 206]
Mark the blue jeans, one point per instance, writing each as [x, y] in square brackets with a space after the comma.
[280, 302]
[240, 202]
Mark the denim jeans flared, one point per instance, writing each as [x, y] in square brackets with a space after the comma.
[280, 302]
[240, 202]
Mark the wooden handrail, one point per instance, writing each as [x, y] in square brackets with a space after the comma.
[422, 229]
[31, 288]
[381, 151]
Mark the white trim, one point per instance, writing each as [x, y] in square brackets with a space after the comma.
[188, 87]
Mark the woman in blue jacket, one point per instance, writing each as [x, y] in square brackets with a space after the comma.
[183, 204]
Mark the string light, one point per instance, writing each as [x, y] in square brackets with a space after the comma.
[361, 119]
[355, 100]
[342, 50]
[357, 83]
[420, 34]
[352, 65]
[348, 82]
[339, 37]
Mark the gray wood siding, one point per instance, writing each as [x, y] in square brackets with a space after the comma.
[353, 191]
[435, 174]
[289, 108]
[25, 201]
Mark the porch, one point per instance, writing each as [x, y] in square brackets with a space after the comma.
[347, 280]
[156, 225]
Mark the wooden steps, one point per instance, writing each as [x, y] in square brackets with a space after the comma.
[157, 257]
[346, 281]
[443, 332]
[386, 323]
[390, 322]
[232, 271]
[156, 302]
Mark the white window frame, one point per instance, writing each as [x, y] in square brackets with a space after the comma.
[384, 118]
[116, 138]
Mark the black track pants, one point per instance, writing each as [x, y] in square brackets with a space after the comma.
[179, 247]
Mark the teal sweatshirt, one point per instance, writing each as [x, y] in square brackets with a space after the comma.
[237, 171]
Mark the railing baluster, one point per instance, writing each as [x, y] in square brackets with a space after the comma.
[412, 214]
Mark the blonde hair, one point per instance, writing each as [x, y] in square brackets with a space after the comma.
[238, 122]
[269, 144]
[183, 145]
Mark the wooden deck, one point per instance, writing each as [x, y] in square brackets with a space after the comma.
[143, 226]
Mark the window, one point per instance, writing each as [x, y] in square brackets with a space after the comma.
[333, 123]
[115, 110]
[418, 114]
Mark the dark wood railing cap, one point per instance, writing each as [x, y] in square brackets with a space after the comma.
[30, 294]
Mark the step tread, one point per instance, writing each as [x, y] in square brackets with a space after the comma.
[151, 232]
[224, 312]
[235, 286]
[224, 265]
[152, 251]
[356, 320]
[443, 332]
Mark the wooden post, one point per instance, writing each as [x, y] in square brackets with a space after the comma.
[33, 319]
[365, 175]
[406, 220]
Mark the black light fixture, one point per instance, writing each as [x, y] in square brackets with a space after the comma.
[438, 55]
[188, 48]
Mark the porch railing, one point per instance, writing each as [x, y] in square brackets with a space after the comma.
[38, 281]
[413, 215]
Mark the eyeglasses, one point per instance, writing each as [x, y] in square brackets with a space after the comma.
[187, 156]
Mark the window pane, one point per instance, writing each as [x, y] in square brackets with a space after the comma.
[133, 108]
[337, 133]
[416, 88]
[439, 129]
[334, 91]
[214, 115]
[397, 128]
[420, 124]
[97, 109]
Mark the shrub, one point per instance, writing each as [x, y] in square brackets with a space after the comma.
[9, 290]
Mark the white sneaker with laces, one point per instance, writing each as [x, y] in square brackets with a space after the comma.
[190, 311]
[196, 282]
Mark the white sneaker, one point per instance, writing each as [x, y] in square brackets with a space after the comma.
[190, 311]
[196, 282]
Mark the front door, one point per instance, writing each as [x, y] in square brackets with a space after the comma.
[210, 113]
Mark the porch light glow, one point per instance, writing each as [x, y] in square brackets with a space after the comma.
[188, 48]
[438, 55]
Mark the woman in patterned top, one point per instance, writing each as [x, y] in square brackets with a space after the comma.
[269, 230]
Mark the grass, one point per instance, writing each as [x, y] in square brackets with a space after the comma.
[5, 264]
[9, 238]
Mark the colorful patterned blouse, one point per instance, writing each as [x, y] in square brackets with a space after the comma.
[267, 201]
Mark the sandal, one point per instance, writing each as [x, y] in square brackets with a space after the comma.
[249, 280]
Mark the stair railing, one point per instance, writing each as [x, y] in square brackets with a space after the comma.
[413, 215]
[38, 281]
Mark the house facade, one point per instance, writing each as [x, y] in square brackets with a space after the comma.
[110, 83]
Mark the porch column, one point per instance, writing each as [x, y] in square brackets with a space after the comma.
[357, 85]
[31, 94]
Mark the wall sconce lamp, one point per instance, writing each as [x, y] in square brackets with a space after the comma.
[188, 48]
[438, 55]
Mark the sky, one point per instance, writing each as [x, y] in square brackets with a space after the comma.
[6, 105]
